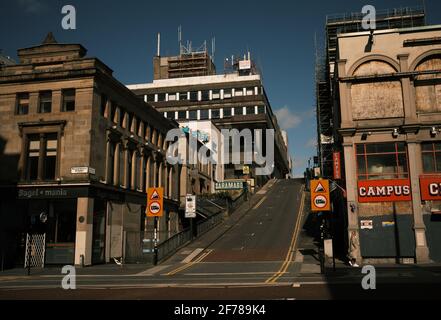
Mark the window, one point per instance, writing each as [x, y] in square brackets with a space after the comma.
[194, 96]
[193, 115]
[113, 111]
[150, 98]
[238, 111]
[382, 161]
[204, 114]
[161, 97]
[69, 100]
[130, 118]
[260, 109]
[171, 115]
[250, 91]
[183, 96]
[45, 105]
[216, 94]
[182, 115]
[238, 92]
[41, 159]
[228, 93]
[215, 114]
[205, 95]
[22, 103]
[103, 105]
[227, 112]
[251, 110]
[431, 153]
[33, 157]
[172, 97]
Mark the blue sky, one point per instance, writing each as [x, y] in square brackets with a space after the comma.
[279, 34]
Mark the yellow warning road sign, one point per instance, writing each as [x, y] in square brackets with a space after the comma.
[320, 195]
[155, 202]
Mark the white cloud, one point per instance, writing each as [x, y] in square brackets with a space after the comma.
[287, 119]
[32, 6]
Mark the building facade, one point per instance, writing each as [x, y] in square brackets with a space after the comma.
[235, 100]
[80, 148]
[388, 86]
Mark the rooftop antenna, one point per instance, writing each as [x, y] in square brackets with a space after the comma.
[159, 45]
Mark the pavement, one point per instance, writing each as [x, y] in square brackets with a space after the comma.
[262, 251]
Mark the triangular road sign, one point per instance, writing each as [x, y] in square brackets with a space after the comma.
[155, 195]
[319, 188]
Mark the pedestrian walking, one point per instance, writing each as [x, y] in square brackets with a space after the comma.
[354, 244]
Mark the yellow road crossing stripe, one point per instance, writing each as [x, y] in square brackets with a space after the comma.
[188, 265]
[292, 246]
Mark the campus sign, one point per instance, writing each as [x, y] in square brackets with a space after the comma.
[384, 190]
[430, 188]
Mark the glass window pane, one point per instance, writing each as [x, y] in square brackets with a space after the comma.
[251, 110]
[227, 112]
[401, 147]
[69, 100]
[261, 109]
[428, 163]
[381, 164]
[437, 146]
[438, 161]
[215, 114]
[238, 111]
[161, 97]
[204, 114]
[380, 148]
[193, 115]
[402, 164]
[183, 96]
[360, 148]
[194, 96]
[427, 146]
[205, 95]
[361, 165]
[182, 115]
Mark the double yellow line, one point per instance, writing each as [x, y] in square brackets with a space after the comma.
[292, 246]
[188, 265]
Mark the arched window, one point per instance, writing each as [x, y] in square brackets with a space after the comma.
[375, 99]
[428, 86]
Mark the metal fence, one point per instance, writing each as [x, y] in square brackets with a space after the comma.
[171, 245]
[209, 224]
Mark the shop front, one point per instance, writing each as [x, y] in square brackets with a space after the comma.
[385, 202]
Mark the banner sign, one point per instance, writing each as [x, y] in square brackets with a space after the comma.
[430, 188]
[337, 165]
[384, 190]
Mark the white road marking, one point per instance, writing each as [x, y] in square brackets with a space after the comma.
[192, 255]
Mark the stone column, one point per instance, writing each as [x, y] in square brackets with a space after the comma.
[84, 232]
[116, 160]
[421, 249]
[408, 97]
[351, 190]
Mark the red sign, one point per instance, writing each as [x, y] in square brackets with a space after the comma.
[384, 191]
[430, 188]
[337, 166]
